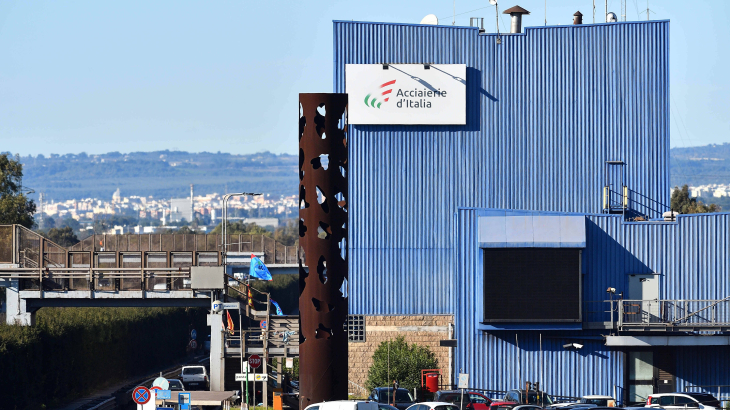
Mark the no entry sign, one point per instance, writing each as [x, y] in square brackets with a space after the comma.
[254, 361]
[141, 395]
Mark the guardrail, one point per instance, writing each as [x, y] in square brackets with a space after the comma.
[657, 314]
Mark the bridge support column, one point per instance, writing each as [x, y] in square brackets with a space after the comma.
[217, 353]
[17, 313]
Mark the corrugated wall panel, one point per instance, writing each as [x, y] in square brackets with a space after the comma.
[545, 109]
[691, 255]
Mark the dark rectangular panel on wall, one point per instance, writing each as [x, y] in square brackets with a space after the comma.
[532, 285]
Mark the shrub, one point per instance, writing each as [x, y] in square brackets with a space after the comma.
[398, 360]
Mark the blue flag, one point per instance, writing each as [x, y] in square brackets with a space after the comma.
[258, 270]
[278, 309]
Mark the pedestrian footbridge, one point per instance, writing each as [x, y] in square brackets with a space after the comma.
[126, 270]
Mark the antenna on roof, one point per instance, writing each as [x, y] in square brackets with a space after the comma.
[647, 10]
[494, 3]
[594, 11]
[453, 19]
[430, 19]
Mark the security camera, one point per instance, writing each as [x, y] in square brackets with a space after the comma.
[573, 346]
[611, 290]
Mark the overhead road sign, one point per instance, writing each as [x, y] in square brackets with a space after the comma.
[141, 395]
[406, 94]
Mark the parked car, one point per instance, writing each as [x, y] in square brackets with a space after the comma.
[383, 406]
[603, 401]
[598, 400]
[502, 405]
[175, 385]
[344, 405]
[472, 400]
[527, 407]
[676, 401]
[518, 396]
[195, 377]
[403, 398]
[434, 405]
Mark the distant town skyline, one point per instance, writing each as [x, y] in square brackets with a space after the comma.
[99, 77]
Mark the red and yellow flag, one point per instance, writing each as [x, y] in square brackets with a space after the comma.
[230, 322]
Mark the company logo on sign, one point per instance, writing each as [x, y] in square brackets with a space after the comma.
[406, 93]
[384, 94]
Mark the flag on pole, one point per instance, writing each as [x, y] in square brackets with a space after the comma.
[230, 322]
[258, 270]
[278, 309]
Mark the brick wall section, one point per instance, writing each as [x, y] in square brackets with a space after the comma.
[426, 330]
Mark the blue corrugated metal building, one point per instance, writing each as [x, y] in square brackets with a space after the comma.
[546, 110]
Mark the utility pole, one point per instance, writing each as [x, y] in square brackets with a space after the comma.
[594, 11]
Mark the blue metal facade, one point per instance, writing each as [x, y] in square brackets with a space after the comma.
[545, 110]
[691, 256]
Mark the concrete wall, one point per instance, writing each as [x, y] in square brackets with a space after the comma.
[426, 330]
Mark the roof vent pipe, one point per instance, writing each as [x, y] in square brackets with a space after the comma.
[516, 13]
[577, 18]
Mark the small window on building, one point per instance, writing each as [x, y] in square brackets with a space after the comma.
[356, 328]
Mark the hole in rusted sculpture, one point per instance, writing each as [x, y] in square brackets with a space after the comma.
[302, 228]
[322, 269]
[331, 307]
[321, 110]
[343, 248]
[323, 332]
[316, 304]
[343, 288]
[342, 122]
[302, 121]
[324, 160]
[322, 199]
[302, 198]
[319, 122]
[323, 230]
[343, 172]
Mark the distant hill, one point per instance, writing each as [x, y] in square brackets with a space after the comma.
[709, 164]
[167, 174]
[162, 174]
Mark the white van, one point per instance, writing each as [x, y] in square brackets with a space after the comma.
[344, 405]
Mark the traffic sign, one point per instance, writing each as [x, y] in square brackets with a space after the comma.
[240, 377]
[162, 383]
[263, 324]
[193, 344]
[463, 381]
[254, 361]
[163, 394]
[261, 377]
[193, 334]
[141, 395]
[232, 306]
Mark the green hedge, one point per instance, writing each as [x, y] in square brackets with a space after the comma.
[74, 351]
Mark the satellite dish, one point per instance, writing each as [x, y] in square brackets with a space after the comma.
[493, 2]
[430, 19]
[611, 17]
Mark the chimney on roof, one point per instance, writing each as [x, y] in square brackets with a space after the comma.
[577, 18]
[516, 13]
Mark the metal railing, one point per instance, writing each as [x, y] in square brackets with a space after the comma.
[673, 313]
[633, 204]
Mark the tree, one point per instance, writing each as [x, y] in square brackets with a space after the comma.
[63, 236]
[15, 207]
[683, 203]
[288, 234]
[240, 228]
[398, 360]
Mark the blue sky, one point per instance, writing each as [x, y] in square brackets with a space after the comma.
[100, 76]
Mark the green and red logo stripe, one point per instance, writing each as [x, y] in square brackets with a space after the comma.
[372, 102]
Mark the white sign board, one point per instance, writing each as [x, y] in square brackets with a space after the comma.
[463, 381]
[234, 306]
[252, 377]
[406, 94]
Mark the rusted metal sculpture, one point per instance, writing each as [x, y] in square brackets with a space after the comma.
[323, 234]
